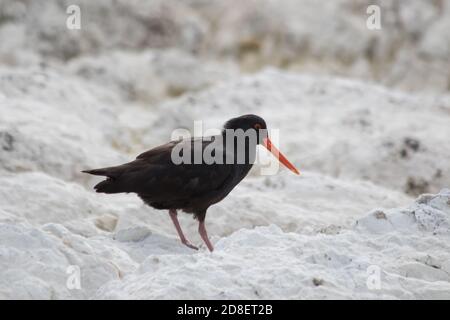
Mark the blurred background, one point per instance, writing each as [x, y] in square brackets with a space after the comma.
[411, 51]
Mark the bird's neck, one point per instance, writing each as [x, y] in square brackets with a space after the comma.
[243, 150]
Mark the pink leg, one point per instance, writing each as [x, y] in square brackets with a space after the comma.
[204, 235]
[174, 217]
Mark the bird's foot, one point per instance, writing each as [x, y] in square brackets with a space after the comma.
[189, 245]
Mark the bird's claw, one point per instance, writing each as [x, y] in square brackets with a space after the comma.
[189, 245]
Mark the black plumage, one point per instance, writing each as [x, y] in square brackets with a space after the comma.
[191, 187]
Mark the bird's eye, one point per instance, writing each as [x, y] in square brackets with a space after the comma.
[257, 126]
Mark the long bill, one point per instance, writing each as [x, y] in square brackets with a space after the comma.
[268, 144]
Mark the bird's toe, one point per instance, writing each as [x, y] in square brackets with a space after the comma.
[189, 245]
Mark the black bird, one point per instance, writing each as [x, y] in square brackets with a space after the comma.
[162, 181]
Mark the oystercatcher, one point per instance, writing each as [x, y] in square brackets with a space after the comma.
[162, 181]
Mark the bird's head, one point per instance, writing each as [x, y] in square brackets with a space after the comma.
[250, 122]
[245, 122]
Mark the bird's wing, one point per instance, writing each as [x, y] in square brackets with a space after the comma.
[156, 176]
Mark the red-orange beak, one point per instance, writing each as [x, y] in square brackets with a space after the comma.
[268, 144]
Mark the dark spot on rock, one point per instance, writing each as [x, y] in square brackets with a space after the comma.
[412, 144]
[404, 153]
[331, 229]
[159, 26]
[380, 214]
[416, 186]
[438, 173]
[317, 282]
[175, 91]
[6, 141]
[249, 46]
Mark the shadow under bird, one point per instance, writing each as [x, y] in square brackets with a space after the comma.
[189, 186]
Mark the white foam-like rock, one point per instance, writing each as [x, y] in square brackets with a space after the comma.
[412, 253]
[268, 263]
[47, 123]
[429, 213]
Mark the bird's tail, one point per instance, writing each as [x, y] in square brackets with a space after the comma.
[109, 185]
[99, 172]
